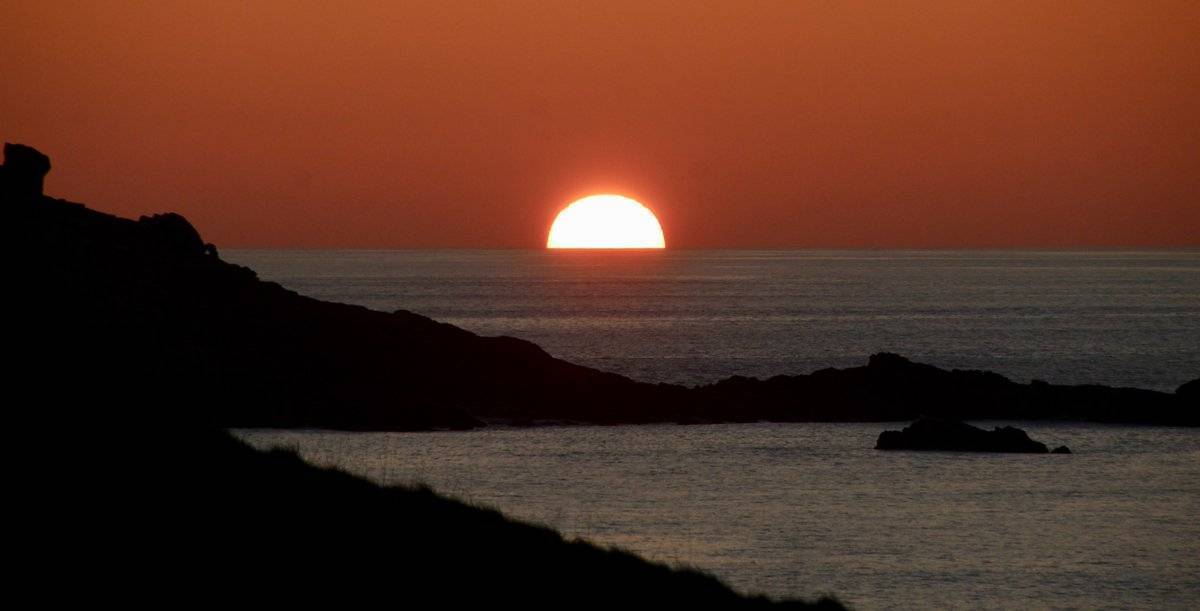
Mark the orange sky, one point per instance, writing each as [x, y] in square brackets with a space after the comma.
[740, 123]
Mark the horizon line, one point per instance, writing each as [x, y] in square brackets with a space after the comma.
[1130, 248]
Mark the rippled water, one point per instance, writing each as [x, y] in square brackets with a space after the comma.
[1119, 318]
[797, 509]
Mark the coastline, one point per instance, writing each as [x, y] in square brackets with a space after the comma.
[132, 327]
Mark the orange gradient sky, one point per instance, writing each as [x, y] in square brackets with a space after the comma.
[740, 123]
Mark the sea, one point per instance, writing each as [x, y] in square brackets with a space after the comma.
[805, 509]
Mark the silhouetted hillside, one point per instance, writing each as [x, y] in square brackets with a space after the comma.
[131, 345]
[202, 515]
[146, 307]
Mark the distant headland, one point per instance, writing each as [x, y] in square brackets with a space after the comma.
[155, 299]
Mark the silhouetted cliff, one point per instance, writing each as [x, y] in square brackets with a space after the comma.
[146, 310]
[131, 344]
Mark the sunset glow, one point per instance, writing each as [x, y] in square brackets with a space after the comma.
[606, 221]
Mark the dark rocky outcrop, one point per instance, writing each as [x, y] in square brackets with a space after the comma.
[23, 174]
[953, 436]
[147, 311]
[893, 388]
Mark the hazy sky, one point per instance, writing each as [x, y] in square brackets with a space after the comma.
[740, 123]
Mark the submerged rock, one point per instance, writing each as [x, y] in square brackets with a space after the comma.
[954, 436]
[1061, 450]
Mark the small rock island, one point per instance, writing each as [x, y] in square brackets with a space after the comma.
[935, 434]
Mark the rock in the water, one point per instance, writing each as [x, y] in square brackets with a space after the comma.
[1061, 450]
[951, 435]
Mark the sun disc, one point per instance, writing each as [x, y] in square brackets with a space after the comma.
[606, 221]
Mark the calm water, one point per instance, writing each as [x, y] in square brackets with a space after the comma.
[804, 508]
[1120, 318]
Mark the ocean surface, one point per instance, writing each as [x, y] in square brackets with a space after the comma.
[692, 317]
[801, 509]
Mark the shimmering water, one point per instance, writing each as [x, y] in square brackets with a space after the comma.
[796, 509]
[1119, 318]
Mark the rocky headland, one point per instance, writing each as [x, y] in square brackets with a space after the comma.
[146, 308]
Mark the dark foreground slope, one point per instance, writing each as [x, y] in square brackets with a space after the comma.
[146, 307]
[200, 515]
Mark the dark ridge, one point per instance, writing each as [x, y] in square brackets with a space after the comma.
[935, 434]
[893, 388]
[148, 307]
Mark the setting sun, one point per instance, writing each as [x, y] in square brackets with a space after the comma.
[606, 221]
